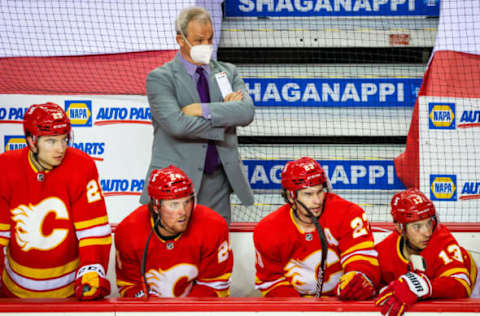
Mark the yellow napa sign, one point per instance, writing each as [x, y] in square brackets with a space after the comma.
[442, 116]
[443, 187]
[79, 112]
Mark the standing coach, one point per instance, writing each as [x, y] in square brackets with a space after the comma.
[196, 105]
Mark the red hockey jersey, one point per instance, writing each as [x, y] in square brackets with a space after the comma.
[199, 262]
[50, 224]
[288, 259]
[450, 267]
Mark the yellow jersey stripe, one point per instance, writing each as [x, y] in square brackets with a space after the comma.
[362, 245]
[450, 272]
[371, 260]
[121, 283]
[41, 273]
[4, 241]
[95, 241]
[225, 293]
[4, 226]
[91, 222]
[63, 292]
[225, 276]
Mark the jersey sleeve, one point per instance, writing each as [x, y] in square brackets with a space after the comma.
[90, 219]
[453, 269]
[4, 215]
[356, 245]
[215, 270]
[127, 266]
[270, 279]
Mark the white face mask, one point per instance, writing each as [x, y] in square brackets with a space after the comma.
[200, 54]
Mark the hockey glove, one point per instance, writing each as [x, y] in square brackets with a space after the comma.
[400, 294]
[91, 283]
[355, 285]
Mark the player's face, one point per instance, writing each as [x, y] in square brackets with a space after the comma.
[313, 198]
[51, 150]
[175, 215]
[198, 33]
[420, 232]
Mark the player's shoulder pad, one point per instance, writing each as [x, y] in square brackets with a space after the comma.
[206, 216]
[278, 217]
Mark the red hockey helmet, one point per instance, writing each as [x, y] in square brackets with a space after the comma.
[302, 173]
[169, 183]
[46, 119]
[410, 206]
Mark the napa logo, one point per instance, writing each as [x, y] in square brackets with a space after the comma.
[79, 112]
[443, 187]
[441, 115]
[14, 142]
[122, 187]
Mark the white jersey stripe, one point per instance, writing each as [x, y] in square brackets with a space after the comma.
[99, 231]
[370, 253]
[266, 285]
[219, 285]
[39, 285]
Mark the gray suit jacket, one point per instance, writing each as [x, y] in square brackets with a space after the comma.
[182, 140]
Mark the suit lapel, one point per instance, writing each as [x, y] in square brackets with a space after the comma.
[215, 94]
[185, 80]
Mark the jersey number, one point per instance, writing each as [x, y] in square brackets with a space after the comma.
[454, 252]
[93, 194]
[358, 225]
[223, 252]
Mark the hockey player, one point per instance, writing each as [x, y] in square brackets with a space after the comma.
[317, 244]
[189, 253]
[420, 259]
[54, 233]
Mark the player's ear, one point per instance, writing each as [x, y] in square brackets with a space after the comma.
[32, 144]
[398, 227]
[291, 196]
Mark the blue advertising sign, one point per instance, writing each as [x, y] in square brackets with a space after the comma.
[330, 92]
[292, 8]
[343, 174]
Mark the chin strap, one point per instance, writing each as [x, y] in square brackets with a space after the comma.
[323, 241]
[145, 286]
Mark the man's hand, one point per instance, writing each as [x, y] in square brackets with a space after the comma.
[400, 294]
[194, 109]
[355, 285]
[91, 283]
[234, 96]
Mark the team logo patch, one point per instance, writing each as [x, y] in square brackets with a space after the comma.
[13, 142]
[443, 187]
[79, 112]
[441, 115]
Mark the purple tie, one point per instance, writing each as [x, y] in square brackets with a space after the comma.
[211, 160]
